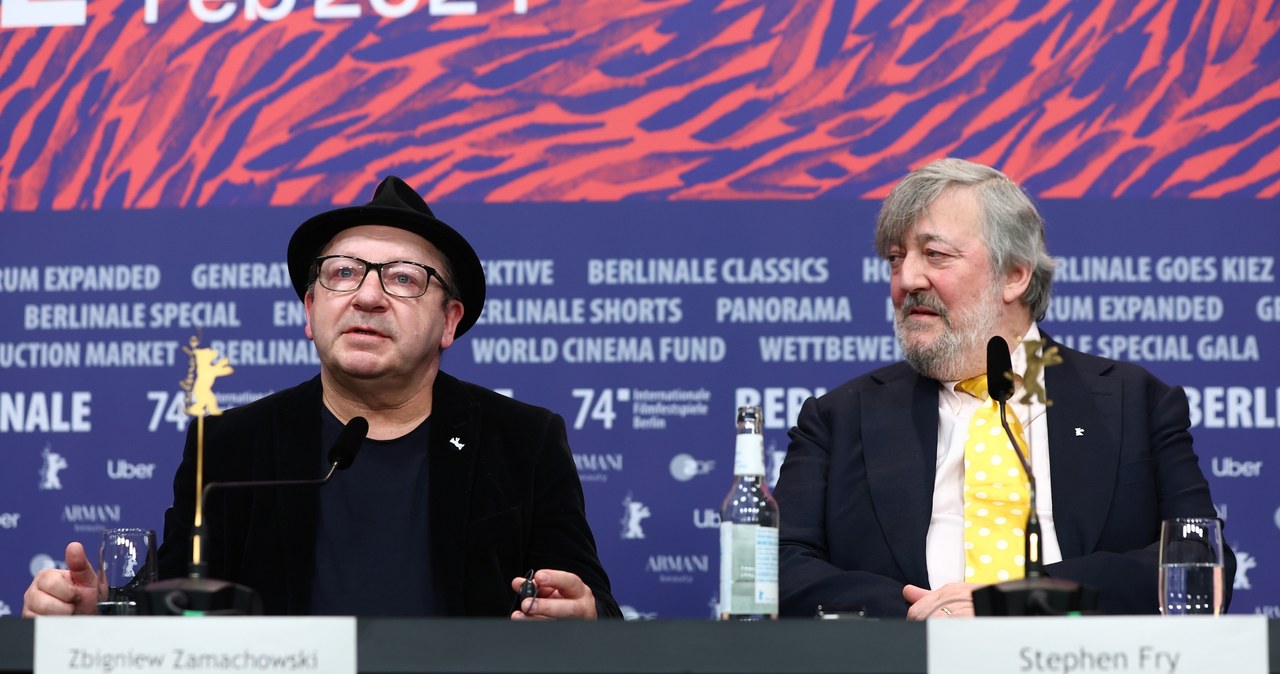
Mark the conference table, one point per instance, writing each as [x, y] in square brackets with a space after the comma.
[387, 645]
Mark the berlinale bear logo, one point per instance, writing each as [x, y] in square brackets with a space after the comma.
[1244, 562]
[205, 368]
[636, 511]
[53, 463]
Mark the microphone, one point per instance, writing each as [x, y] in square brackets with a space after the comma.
[1000, 387]
[1035, 593]
[999, 369]
[341, 455]
[199, 595]
[344, 450]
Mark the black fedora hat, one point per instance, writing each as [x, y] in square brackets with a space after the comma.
[394, 204]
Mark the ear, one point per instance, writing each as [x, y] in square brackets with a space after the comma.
[308, 300]
[452, 316]
[1015, 283]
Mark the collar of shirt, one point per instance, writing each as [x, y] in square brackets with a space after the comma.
[1031, 412]
[952, 400]
[944, 542]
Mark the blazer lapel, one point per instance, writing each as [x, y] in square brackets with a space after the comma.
[456, 443]
[901, 456]
[296, 433]
[1084, 450]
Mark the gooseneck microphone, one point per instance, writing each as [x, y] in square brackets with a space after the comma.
[341, 455]
[1034, 594]
[200, 595]
[1000, 387]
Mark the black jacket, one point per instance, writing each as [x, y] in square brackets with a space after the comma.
[856, 490]
[507, 501]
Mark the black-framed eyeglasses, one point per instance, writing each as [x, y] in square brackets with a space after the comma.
[399, 278]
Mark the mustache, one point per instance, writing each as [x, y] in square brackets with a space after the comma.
[927, 301]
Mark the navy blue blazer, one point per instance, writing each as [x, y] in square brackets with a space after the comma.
[856, 490]
[509, 501]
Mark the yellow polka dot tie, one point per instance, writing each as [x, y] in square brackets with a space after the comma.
[996, 493]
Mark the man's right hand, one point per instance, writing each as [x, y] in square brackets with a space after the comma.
[69, 591]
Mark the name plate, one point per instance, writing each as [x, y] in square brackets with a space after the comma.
[1088, 645]
[121, 645]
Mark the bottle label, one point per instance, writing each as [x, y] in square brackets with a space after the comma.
[748, 455]
[748, 569]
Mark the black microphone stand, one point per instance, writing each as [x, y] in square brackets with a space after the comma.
[1035, 594]
[199, 595]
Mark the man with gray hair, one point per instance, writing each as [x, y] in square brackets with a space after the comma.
[900, 494]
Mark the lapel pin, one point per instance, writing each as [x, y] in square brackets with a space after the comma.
[1079, 433]
[457, 442]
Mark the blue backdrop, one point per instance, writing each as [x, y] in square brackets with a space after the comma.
[674, 202]
[644, 325]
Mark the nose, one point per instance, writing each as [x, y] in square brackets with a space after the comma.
[370, 294]
[911, 275]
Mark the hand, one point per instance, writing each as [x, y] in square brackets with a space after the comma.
[560, 595]
[69, 591]
[953, 600]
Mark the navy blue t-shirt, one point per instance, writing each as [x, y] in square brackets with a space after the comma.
[373, 551]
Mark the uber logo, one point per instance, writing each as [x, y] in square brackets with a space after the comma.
[706, 518]
[123, 470]
[9, 520]
[1228, 467]
[40, 13]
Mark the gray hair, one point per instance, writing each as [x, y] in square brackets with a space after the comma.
[1012, 229]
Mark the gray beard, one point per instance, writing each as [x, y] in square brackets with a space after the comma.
[950, 356]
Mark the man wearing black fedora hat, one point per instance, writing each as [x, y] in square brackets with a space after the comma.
[458, 491]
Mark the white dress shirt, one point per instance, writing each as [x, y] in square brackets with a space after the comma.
[944, 544]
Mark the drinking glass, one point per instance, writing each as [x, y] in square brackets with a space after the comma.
[127, 563]
[1191, 566]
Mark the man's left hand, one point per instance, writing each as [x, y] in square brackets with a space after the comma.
[560, 595]
[953, 600]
